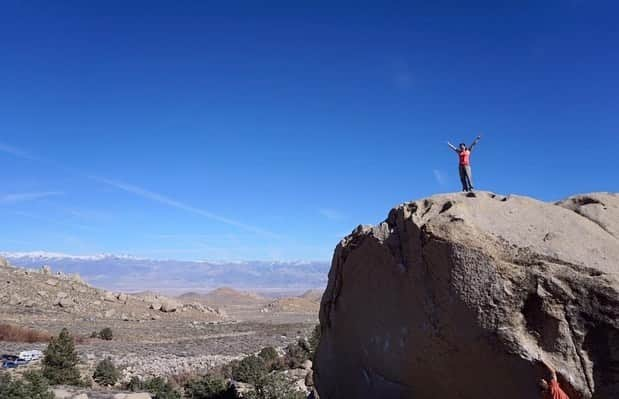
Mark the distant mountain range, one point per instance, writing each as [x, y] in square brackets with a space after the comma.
[127, 273]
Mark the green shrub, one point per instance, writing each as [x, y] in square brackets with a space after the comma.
[250, 370]
[268, 354]
[271, 358]
[106, 334]
[10, 388]
[314, 340]
[134, 384]
[160, 389]
[208, 387]
[32, 386]
[297, 353]
[106, 373]
[274, 386]
[60, 361]
[227, 370]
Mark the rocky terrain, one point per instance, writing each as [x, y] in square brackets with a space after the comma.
[153, 335]
[251, 306]
[460, 295]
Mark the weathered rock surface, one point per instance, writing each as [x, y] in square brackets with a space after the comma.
[169, 305]
[459, 295]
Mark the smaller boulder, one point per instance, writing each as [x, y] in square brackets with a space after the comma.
[242, 389]
[76, 278]
[122, 297]
[15, 300]
[62, 394]
[141, 395]
[169, 305]
[65, 302]
[109, 297]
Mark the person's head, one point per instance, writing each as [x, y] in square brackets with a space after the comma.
[462, 146]
[543, 385]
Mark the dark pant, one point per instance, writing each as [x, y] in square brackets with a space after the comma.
[466, 177]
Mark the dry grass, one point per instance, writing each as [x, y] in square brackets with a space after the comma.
[13, 333]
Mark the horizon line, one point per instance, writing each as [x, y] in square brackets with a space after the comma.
[103, 255]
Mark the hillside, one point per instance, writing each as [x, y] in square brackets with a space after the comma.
[312, 295]
[45, 293]
[153, 335]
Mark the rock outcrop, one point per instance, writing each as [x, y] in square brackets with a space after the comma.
[459, 295]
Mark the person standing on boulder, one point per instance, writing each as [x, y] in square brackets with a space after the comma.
[464, 167]
[551, 390]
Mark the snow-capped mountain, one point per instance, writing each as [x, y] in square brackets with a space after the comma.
[50, 256]
[128, 273]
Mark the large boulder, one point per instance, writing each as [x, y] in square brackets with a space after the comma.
[459, 295]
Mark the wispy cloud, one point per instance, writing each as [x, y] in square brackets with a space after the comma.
[162, 199]
[330, 214]
[138, 191]
[440, 177]
[23, 197]
[16, 152]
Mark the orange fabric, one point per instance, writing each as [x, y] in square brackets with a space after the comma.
[556, 392]
[464, 157]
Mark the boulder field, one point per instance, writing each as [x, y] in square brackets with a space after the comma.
[460, 295]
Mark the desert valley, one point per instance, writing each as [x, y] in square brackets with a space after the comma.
[153, 335]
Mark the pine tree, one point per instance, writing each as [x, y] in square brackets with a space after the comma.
[60, 361]
[32, 386]
[106, 373]
[37, 386]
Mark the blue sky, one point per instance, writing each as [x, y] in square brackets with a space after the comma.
[196, 130]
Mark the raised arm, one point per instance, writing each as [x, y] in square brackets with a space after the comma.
[474, 142]
[452, 146]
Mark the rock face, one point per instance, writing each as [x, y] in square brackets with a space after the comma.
[459, 295]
